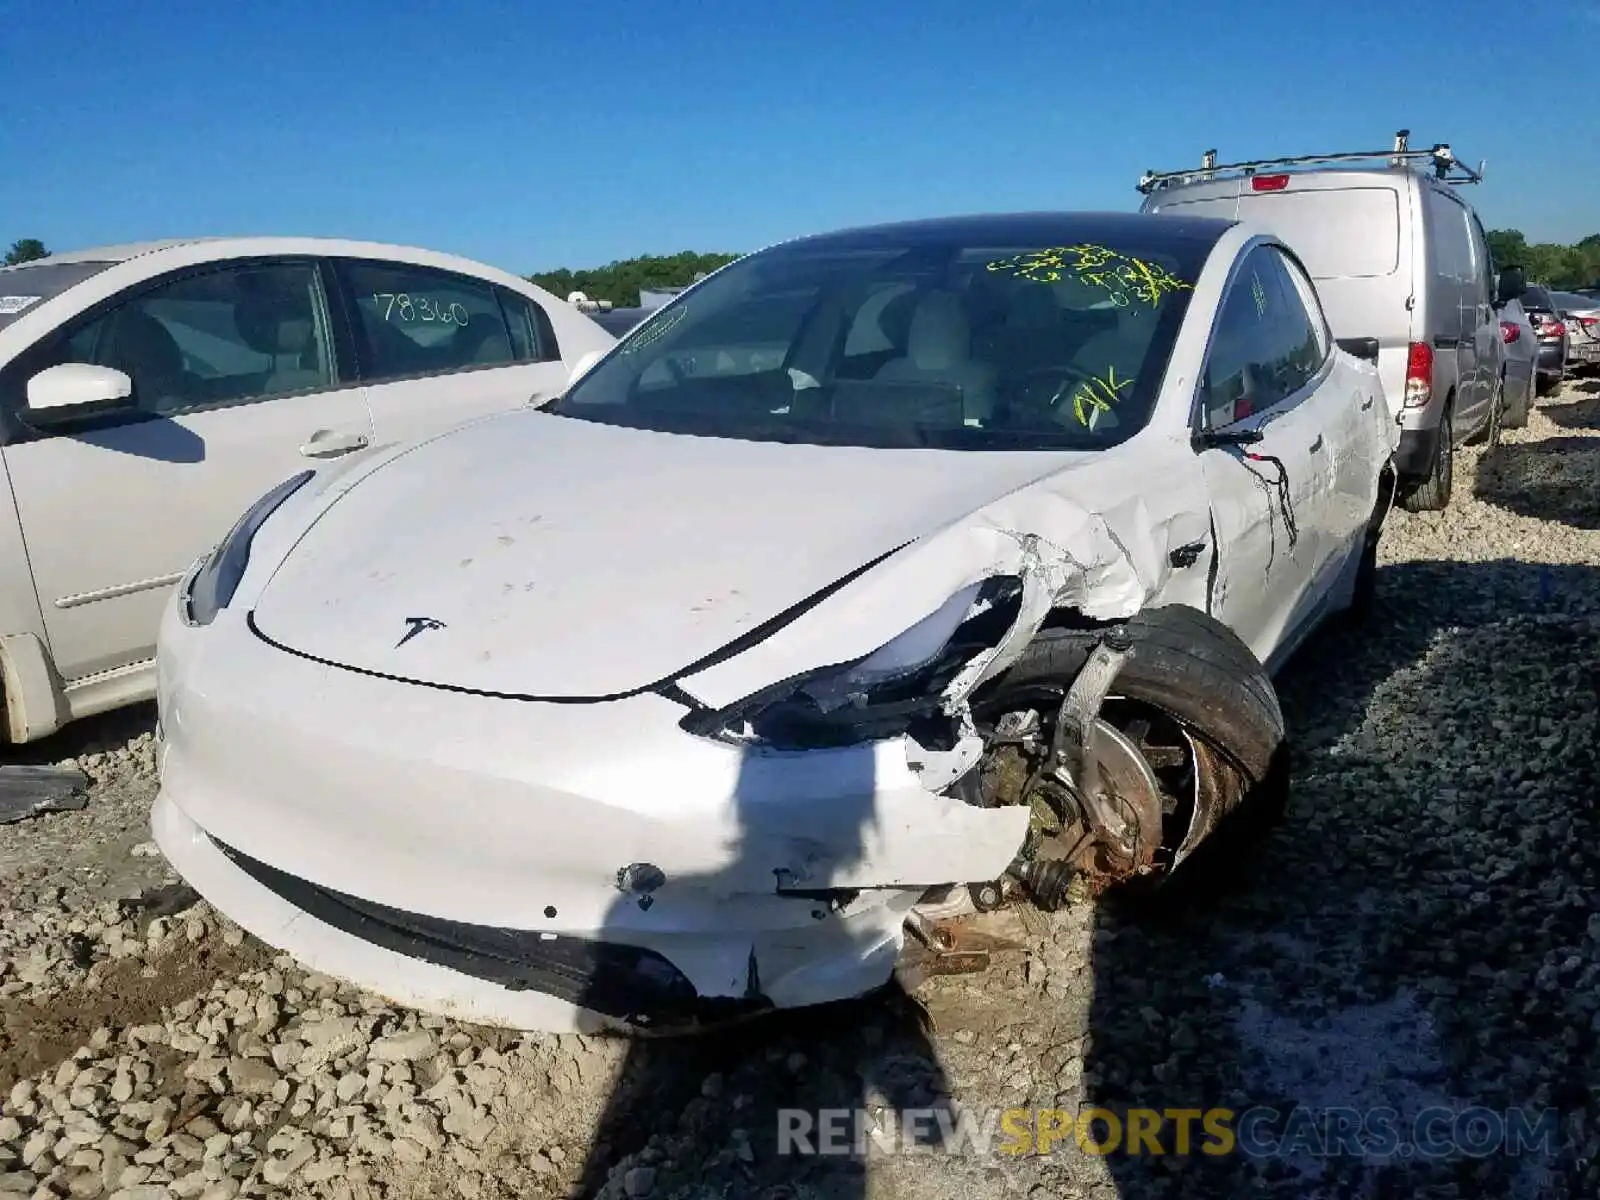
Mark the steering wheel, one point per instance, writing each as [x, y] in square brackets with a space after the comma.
[1066, 376]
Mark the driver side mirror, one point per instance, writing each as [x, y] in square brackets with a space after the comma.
[1510, 286]
[80, 387]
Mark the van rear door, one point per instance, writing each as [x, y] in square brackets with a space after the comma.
[1353, 232]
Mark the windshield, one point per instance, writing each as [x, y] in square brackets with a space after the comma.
[24, 287]
[969, 334]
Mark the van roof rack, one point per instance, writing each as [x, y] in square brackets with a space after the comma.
[1446, 166]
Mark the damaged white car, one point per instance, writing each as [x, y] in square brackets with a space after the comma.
[881, 577]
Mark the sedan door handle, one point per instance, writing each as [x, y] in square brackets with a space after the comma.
[1316, 445]
[326, 444]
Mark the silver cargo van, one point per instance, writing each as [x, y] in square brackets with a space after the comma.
[1398, 255]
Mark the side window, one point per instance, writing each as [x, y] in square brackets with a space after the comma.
[1307, 292]
[202, 341]
[533, 338]
[1265, 346]
[418, 321]
[1485, 260]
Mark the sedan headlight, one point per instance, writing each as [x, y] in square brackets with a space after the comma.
[211, 587]
[884, 694]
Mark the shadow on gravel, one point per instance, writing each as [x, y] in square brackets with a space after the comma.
[1557, 479]
[1411, 957]
[91, 735]
[1580, 413]
[744, 1111]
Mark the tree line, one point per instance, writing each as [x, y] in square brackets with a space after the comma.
[1549, 263]
[25, 250]
[620, 281]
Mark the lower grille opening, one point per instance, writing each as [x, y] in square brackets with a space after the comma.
[627, 983]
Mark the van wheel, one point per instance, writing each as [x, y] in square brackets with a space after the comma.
[1433, 493]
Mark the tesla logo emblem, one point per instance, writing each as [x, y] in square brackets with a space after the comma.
[416, 625]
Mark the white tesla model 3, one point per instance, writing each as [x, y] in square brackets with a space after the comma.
[880, 577]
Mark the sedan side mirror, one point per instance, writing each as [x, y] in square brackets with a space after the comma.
[79, 386]
[1361, 347]
[583, 365]
[1511, 285]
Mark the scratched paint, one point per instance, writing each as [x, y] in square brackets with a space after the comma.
[1127, 281]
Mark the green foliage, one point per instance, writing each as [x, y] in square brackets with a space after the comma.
[619, 282]
[25, 250]
[1549, 263]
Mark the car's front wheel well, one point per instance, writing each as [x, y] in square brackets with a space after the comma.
[1169, 710]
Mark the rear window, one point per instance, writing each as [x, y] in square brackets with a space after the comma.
[1349, 233]
[25, 287]
[1536, 299]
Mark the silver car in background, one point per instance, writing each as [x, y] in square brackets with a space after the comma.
[1551, 331]
[1398, 255]
[1581, 316]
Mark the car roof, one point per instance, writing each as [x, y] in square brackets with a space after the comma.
[226, 246]
[122, 252]
[1024, 228]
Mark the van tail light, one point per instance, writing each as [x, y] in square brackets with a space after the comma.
[1419, 375]
[1268, 183]
[1510, 332]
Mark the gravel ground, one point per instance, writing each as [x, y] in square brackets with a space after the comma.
[1421, 934]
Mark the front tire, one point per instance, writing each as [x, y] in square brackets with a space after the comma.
[1186, 667]
[1433, 493]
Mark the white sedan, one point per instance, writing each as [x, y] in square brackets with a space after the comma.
[149, 392]
[881, 577]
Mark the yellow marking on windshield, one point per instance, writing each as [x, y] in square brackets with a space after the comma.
[1260, 295]
[1098, 392]
[653, 331]
[1125, 279]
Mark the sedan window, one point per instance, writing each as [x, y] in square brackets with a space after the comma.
[213, 338]
[416, 321]
[1265, 346]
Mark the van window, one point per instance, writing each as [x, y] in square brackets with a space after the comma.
[1344, 233]
[1449, 242]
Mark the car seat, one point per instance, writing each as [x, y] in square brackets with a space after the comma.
[939, 350]
[142, 348]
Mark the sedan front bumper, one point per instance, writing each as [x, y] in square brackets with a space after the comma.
[542, 866]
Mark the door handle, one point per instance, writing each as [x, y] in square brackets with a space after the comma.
[324, 444]
[1316, 445]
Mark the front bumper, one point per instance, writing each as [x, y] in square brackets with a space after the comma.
[541, 866]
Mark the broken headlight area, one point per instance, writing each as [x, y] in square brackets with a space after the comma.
[210, 586]
[895, 690]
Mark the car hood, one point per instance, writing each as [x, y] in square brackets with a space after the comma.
[532, 555]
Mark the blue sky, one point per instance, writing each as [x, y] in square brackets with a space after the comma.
[571, 132]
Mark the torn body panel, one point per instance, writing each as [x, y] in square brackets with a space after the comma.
[1107, 560]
